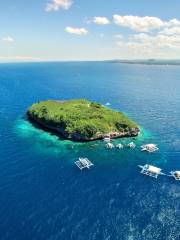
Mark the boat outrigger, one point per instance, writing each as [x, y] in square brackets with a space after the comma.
[151, 171]
[149, 147]
[109, 145]
[131, 145]
[175, 174]
[120, 146]
[83, 163]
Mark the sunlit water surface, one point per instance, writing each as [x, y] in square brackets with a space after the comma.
[44, 196]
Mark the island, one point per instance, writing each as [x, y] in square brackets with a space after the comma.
[82, 120]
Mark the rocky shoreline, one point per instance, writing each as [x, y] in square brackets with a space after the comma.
[77, 137]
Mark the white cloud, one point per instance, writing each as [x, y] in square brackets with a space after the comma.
[8, 39]
[172, 22]
[55, 5]
[171, 31]
[77, 31]
[157, 41]
[147, 45]
[139, 24]
[156, 38]
[148, 24]
[101, 20]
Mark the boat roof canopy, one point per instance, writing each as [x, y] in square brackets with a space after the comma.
[177, 173]
[151, 145]
[154, 169]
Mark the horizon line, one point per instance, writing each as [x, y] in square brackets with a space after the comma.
[93, 60]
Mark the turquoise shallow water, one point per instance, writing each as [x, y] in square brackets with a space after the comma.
[44, 196]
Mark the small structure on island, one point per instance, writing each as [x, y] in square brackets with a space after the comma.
[108, 104]
[84, 163]
[109, 145]
[175, 174]
[131, 145]
[119, 146]
[150, 170]
[149, 147]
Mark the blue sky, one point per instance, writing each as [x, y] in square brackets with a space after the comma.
[88, 29]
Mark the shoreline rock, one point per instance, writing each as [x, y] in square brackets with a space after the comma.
[75, 137]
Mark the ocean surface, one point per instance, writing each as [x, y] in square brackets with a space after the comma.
[43, 195]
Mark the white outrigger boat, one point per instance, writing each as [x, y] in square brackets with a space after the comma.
[119, 146]
[175, 175]
[131, 145]
[107, 139]
[109, 145]
[150, 170]
[149, 147]
[83, 163]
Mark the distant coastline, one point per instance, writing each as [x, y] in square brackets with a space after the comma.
[147, 61]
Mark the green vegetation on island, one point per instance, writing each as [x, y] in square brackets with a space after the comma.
[82, 120]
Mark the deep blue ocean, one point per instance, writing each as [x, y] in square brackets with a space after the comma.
[43, 195]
